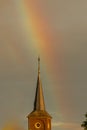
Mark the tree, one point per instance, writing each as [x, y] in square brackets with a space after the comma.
[84, 123]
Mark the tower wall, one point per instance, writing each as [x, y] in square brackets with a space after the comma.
[39, 123]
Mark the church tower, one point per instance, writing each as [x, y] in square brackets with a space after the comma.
[39, 119]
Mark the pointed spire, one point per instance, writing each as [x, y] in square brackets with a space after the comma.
[39, 98]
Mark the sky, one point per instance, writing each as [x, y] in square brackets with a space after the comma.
[57, 31]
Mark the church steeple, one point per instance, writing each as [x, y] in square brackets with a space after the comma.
[39, 118]
[39, 98]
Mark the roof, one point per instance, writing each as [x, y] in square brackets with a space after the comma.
[41, 114]
[39, 103]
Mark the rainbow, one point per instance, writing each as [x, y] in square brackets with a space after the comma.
[39, 35]
[38, 31]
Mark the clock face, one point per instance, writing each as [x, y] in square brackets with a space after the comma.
[37, 125]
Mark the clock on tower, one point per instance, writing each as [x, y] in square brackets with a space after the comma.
[39, 119]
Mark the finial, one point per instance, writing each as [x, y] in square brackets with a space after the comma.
[38, 64]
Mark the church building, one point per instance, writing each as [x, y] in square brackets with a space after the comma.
[39, 118]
